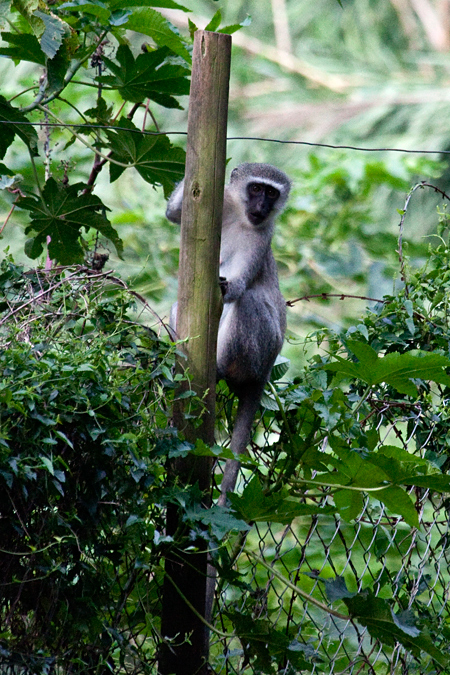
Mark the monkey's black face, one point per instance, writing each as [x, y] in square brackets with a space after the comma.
[261, 198]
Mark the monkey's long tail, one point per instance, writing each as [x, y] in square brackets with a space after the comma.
[247, 407]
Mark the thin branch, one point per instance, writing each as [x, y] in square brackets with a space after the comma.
[281, 25]
[88, 145]
[341, 296]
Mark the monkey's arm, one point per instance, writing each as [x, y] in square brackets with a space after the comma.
[173, 211]
[240, 270]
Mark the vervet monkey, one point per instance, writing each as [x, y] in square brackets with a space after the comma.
[253, 320]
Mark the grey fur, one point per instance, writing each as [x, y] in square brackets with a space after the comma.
[253, 321]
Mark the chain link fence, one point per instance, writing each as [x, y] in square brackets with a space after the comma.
[329, 558]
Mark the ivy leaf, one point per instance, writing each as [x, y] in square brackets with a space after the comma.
[221, 520]
[384, 625]
[101, 113]
[12, 122]
[154, 157]
[60, 213]
[145, 77]
[24, 47]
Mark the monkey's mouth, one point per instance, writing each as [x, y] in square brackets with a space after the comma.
[256, 218]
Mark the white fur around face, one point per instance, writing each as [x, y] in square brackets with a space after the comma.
[266, 181]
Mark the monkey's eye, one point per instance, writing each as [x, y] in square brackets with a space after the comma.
[255, 188]
[272, 192]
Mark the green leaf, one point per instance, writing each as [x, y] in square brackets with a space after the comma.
[10, 124]
[52, 37]
[220, 519]
[400, 503]
[27, 9]
[400, 454]
[60, 214]
[436, 481]
[384, 625]
[217, 451]
[24, 47]
[94, 7]
[147, 21]
[145, 77]
[154, 157]
[56, 69]
[215, 21]
[254, 506]
[336, 589]
[165, 4]
[228, 30]
[280, 368]
[192, 28]
[261, 644]
[349, 503]
[48, 464]
[395, 369]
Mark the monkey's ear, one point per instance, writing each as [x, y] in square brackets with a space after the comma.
[233, 174]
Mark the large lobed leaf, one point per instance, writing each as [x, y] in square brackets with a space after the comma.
[23, 47]
[149, 22]
[153, 156]
[145, 77]
[60, 213]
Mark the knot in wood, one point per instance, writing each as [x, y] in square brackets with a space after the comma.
[196, 192]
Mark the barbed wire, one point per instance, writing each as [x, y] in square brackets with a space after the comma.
[229, 138]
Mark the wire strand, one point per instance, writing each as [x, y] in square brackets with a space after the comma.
[229, 138]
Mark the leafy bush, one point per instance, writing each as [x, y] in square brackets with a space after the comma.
[84, 395]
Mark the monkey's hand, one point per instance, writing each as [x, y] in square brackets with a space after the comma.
[232, 289]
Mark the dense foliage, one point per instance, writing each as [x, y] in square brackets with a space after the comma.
[84, 417]
[360, 436]
[84, 395]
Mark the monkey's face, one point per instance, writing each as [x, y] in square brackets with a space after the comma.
[261, 199]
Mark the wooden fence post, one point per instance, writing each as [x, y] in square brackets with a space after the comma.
[199, 307]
